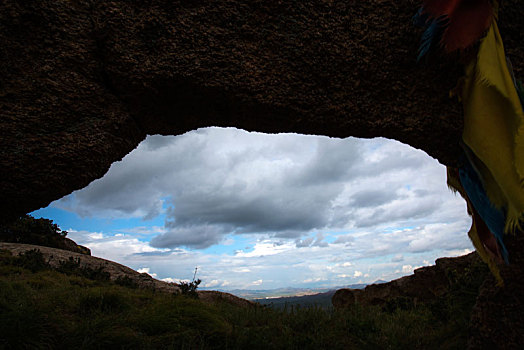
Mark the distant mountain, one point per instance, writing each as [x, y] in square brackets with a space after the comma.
[314, 297]
[276, 293]
[293, 296]
[320, 299]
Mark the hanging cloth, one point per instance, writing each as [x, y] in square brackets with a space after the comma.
[494, 127]
[482, 239]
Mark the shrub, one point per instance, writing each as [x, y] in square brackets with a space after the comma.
[27, 229]
[189, 288]
[72, 267]
[24, 327]
[31, 260]
[126, 281]
[103, 301]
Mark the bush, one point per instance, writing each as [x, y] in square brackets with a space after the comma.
[24, 327]
[189, 288]
[31, 260]
[103, 301]
[29, 230]
[126, 281]
[72, 267]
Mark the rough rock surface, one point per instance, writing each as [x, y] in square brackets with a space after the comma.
[83, 82]
[71, 245]
[497, 320]
[116, 271]
[426, 284]
[54, 256]
[213, 296]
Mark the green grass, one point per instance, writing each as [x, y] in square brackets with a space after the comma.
[45, 308]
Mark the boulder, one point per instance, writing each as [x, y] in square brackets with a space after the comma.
[424, 285]
[116, 271]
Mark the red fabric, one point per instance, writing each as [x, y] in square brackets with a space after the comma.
[467, 20]
[440, 7]
[486, 237]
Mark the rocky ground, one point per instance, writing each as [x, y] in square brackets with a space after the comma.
[117, 271]
[424, 285]
[54, 256]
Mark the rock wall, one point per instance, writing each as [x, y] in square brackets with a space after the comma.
[497, 319]
[117, 271]
[54, 256]
[83, 82]
[424, 285]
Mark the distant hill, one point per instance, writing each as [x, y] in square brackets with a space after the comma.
[286, 297]
[321, 299]
[276, 293]
[257, 294]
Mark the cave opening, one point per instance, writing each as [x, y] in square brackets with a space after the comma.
[266, 211]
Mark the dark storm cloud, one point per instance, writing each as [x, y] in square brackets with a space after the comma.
[288, 234]
[402, 211]
[268, 213]
[197, 236]
[215, 182]
[372, 198]
[159, 253]
[334, 160]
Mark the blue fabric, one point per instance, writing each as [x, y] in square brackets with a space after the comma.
[520, 91]
[493, 218]
[431, 35]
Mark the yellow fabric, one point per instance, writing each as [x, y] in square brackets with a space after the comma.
[494, 127]
[454, 185]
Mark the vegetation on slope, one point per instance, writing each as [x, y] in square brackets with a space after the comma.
[42, 307]
[26, 229]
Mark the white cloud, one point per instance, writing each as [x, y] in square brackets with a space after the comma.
[407, 269]
[148, 271]
[93, 235]
[265, 248]
[308, 207]
[397, 258]
[344, 239]
[241, 270]
[213, 283]
[113, 247]
[310, 280]
[212, 182]
[171, 280]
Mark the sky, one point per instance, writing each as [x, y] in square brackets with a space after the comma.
[260, 211]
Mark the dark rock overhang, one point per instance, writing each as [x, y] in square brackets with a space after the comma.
[83, 82]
